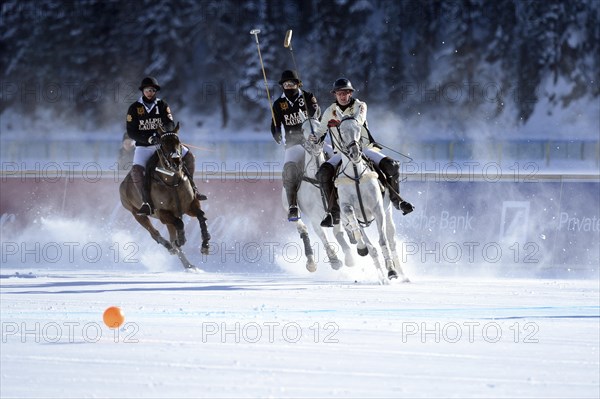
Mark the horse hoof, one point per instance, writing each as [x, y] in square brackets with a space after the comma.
[363, 251]
[392, 274]
[311, 267]
[205, 248]
[336, 264]
[349, 260]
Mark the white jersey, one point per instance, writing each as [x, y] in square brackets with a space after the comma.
[358, 110]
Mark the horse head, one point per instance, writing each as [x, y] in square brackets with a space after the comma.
[350, 136]
[170, 149]
[310, 126]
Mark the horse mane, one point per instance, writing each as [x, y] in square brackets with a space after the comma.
[170, 136]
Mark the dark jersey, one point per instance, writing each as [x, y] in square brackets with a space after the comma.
[287, 113]
[143, 120]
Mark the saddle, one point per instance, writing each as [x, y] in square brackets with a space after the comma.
[381, 177]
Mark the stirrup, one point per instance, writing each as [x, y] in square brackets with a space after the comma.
[293, 213]
[145, 209]
[327, 220]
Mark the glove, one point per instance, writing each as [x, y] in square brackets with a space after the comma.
[313, 138]
[277, 138]
[406, 207]
[153, 139]
[333, 123]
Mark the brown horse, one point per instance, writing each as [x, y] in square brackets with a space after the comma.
[171, 194]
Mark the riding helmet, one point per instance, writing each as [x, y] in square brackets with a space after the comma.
[342, 84]
[149, 81]
[290, 75]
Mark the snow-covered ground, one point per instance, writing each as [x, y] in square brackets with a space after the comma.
[295, 334]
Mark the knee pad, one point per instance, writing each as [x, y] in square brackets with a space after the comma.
[389, 166]
[290, 171]
[325, 172]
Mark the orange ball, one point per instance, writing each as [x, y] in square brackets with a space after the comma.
[113, 317]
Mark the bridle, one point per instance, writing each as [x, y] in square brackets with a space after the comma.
[313, 150]
[355, 176]
[346, 149]
[167, 159]
[168, 166]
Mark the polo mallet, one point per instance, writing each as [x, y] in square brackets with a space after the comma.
[287, 43]
[255, 32]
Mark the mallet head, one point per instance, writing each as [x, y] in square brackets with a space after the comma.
[288, 39]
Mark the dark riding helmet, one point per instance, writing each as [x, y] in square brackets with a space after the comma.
[342, 84]
[290, 75]
[149, 81]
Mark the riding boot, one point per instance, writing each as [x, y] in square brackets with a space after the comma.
[391, 169]
[137, 177]
[189, 166]
[326, 175]
[291, 184]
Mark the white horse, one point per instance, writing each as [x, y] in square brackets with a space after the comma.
[312, 205]
[361, 202]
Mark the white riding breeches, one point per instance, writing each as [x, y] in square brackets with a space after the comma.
[141, 155]
[373, 155]
[294, 154]
[328, 149]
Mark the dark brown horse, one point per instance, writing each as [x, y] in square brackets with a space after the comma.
[171, 194]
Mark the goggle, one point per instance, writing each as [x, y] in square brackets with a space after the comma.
[290, 84]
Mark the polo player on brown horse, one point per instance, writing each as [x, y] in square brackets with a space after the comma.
[171, 194]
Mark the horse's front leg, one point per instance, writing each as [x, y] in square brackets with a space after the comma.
[147, 224]
[374, 255]
[311, 265]
[353, 230]
[175, 227]
[330, 250]
[339, 236]
[197, 211]
[204, 231]
[391, 236]
[384, 243]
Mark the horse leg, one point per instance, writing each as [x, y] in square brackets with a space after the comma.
[372, 250]
[197, 212]
[339, 236]
[204, 249]
[391, 235]
[330, 251]
[384, 243]
[311, 265]
[177, 236]
[147, 224]
[354, 231]
[175, 227]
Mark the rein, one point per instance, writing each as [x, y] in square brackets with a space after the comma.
[308, 151]
[169, 169]
[356, 179]
[357, 175]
